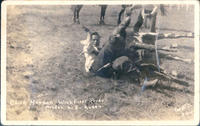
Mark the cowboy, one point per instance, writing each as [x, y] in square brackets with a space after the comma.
[91, 48]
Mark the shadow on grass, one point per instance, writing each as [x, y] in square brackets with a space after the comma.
[105, 25]
[123, 85]
[167, 89]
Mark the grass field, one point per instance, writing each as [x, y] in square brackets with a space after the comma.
[45, 68]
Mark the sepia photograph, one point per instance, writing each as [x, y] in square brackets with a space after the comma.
[100, 62]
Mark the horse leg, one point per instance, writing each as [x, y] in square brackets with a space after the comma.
[153, 23]
[104, 7]
[74, 15]
[146, 22]
[119, 16]
[102, 14]
[77, 13]
[100, 19]
[77, 17]
[139, 23]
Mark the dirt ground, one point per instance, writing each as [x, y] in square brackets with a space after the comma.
[45, 69]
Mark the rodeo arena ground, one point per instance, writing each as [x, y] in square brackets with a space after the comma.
[49, 73]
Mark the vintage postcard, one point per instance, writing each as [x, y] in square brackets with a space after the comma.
[100, 62]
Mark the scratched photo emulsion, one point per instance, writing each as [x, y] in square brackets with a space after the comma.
[100, 62]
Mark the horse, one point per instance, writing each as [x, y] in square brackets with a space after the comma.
[147, 14]
[76, 10]
[144, 16]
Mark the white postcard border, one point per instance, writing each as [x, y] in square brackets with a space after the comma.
[111, 2]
